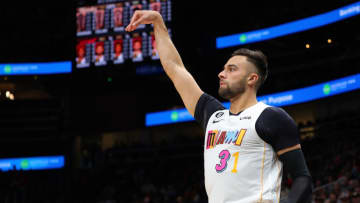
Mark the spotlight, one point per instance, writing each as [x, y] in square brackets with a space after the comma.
[329, 41]
[307, 46]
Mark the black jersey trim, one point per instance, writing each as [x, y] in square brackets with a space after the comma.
[277, 128]
[205, 107]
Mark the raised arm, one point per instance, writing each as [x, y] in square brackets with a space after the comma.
[170, 59]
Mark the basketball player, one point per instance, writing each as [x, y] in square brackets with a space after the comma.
[246, 146]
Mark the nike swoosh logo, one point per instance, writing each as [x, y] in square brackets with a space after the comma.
[216, 121]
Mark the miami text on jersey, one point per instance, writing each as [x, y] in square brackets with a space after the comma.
[216, 137]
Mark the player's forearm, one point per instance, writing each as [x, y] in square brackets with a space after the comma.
[301, 190]
[170, 59]
[169, 56]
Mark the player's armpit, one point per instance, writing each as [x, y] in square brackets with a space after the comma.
[282, 151]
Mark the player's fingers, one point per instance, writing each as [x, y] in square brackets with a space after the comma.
[135, 17]
[138, 21]
[129, 25]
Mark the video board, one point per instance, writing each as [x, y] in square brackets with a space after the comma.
[101, 36]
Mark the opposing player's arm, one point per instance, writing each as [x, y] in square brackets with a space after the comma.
[170, 59]
[278, 129]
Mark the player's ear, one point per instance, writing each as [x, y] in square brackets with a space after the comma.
[252, 79]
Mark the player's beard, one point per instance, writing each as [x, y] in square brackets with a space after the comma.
[229, 92]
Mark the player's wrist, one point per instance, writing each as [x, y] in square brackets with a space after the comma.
[158, 19]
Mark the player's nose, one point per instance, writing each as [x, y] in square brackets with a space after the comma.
[221, 75]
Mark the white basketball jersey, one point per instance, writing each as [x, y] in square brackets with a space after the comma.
[239, 166]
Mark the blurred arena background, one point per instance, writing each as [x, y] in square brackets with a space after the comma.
[93, 119]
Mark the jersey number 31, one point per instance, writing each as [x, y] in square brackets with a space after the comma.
[224, 157]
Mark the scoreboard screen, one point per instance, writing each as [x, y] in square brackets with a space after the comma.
[101, 36]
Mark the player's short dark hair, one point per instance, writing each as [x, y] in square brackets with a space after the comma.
[257, 58]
